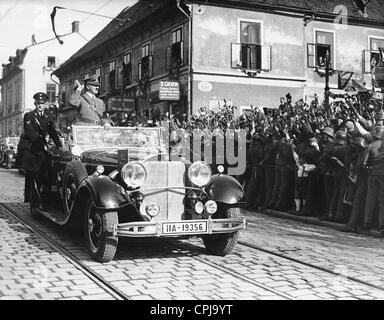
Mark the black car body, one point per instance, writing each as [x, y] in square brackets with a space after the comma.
[123, 182]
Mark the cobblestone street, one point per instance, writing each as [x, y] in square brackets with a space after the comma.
[298, 261]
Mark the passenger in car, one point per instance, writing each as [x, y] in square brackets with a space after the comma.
[90, 109]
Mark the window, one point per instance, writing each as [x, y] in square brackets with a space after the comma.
[63, 94]
[126, 72]
[9, 99]
[51, 63]
[371, 57]
[112, 75]
[51, 92]
[175, 53]
[145, 64]
[145, 50]
[322, 49]
[250, 53]
[17, 95]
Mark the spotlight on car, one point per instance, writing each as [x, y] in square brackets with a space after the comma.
[100, 169]
[199, 207]
[210, 207]
[152, 210]
[134, 174]
[199, 173]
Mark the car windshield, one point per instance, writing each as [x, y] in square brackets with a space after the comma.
[98, 137]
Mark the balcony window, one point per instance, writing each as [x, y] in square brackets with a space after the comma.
[175, 53]
[250, 53]
[250, 57]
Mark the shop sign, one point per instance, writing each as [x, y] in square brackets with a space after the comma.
[205, 86]
[169, 90]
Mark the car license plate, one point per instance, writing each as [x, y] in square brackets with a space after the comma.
[185, 227]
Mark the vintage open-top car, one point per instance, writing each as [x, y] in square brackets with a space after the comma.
[123, 182]
[8, 151]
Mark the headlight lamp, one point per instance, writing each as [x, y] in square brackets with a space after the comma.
[199, 173]
[134, 174]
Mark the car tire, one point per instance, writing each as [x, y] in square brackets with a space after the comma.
[223, 243]
[74, 173]
[98, 230]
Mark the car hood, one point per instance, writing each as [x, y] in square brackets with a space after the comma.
[110, 156]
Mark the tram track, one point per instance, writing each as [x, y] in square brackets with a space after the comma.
[107, 286]
[72, 259]
[310, 265]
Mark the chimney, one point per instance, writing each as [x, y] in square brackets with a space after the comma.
[75, 26]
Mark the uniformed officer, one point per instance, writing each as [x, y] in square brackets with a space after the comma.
[38, 124]
[90, 109]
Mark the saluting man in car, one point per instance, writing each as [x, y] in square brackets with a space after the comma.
[90, 109]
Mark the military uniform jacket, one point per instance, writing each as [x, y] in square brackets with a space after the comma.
[36, 128]
[90, 110]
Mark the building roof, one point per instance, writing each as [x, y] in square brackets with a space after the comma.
[134, 14]
[144, 8]
[374, 8]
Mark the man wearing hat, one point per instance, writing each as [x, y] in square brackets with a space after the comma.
[90, 109]
[38, 124]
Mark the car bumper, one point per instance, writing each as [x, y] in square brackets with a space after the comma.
[156, 228]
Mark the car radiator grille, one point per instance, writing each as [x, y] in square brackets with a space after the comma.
[164, 174]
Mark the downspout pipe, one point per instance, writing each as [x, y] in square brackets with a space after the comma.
[189, 106]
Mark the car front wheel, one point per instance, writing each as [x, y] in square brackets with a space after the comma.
[223, 243]
[98, 229]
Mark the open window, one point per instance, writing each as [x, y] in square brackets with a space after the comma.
[112, 75]
[146, 63]
[175, 53]
[253, 57]
[126, 72]
[372, 56]
[322, 50]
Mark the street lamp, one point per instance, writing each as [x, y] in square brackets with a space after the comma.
[326, 72]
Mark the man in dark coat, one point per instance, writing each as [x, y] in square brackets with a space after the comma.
[38, 124]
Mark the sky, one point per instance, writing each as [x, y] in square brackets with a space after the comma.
[20, 19]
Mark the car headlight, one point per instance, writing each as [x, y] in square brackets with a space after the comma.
[134, 174]
[199, 173]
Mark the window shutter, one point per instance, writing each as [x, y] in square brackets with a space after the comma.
[311, 55]
[140, 70]
[266, 58]
[236, 55]
[366, 61]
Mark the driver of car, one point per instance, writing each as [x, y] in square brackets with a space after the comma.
[38, 124]
[90, 109]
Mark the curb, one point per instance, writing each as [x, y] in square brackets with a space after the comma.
[316, 221]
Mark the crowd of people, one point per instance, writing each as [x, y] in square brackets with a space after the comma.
[306, 159]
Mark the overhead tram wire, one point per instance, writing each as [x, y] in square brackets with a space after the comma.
[53, 14]
[93, 13]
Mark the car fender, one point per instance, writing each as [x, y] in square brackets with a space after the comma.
[225, 189]
[105, 193]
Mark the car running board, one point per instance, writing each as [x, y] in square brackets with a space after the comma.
[53, 214]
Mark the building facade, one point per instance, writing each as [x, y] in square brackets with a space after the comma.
[28, 72]
[247, 52]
